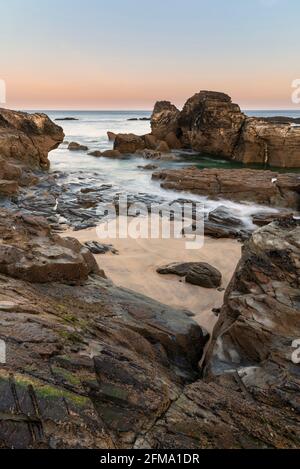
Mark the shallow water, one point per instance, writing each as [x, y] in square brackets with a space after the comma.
[91, 130]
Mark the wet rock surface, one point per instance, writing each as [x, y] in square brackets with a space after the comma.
[262, 187]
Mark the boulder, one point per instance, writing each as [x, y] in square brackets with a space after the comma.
[129, 143]
[74, 146]
[211, 123]
[95, 153]
[196, 273]
[111, 154]
[268, 143]
[28, 138]
[163, 147]
[29, 251]
[151, 141]
[164, 119]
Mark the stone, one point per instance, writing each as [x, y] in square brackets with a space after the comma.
[74, 146]
[148, 167]
[29, 251]
[111, 154]
[164, 119]
[262, 187]
[129, 143]
[96, 153]
[163, 147]
[99, 248]
[196, 273]
[28, 138]
[204, 275]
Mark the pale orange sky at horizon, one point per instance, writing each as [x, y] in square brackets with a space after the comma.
[129, 54]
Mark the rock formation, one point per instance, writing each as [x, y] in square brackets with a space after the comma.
[210, 123]
[28, 138]
[262, 187]
[249, 395]
[25, 141]
[86, 367]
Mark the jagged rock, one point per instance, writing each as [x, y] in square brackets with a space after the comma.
[268, 143]
[196, 273]
[74, 146]
[211, 123]
[29, 251]
[164, 119]
[263, 187]
[28, 138]
[89, 367]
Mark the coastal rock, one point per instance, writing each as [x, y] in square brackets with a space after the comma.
[196, 273]
[111, 154]
[95, 153]
[89, 367]
[148, 167]
[74, 146]
[27, 139]
[222, 216]
[248, 397]
[259, 320]
[163, 147]
[29, 251]
[211, 123]
[111, 136]
[164, 120]
[268, 143]
[99, 248]
[129, 143]
[262, 187]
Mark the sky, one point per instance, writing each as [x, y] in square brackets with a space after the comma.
[127, 54]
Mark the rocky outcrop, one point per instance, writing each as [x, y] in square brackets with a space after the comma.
[91, 366]
[268, 143]
[25, 141]
[262, 187]
[211, 123]
[164, 120]
[29, 251]
[249, 395]
[28, 138]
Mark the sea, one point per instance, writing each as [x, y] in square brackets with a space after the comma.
[90, 129]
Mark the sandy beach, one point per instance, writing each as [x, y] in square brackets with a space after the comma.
[135, 268]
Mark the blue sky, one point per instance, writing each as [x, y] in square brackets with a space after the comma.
[129, 53]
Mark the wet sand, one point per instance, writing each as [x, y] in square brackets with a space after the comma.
[135, 268]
